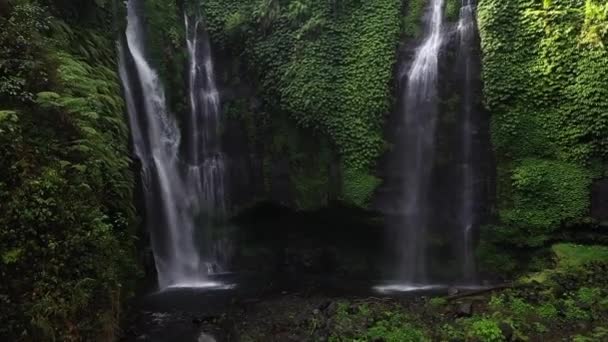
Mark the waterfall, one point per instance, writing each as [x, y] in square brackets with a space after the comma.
[205, 162]
[421, 109]
[205, 158]
[171, 200]
[466, 33]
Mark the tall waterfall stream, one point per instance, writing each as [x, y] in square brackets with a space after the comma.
[421, 110]
[178, 188]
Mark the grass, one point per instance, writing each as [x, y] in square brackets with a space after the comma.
[571, 255]
[568, 256]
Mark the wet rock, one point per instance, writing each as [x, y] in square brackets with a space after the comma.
[331, 309]
[583, 305]
[205, 319]
[324, 305]
[464, 309]
[452, 291]
[251, 301]
[507, 330]
[584, 326]
[323, 334]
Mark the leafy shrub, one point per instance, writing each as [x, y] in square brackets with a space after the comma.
[497, 302]
[388, 332]
[547, 311]
[451, 333]
[520, 308]
[545, 195]
[485, 329]
[22, 52]
[573, 312]
[588, 295]
[437, 302]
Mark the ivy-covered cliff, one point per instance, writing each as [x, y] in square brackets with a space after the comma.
[320, 68]
[67, 219]
[545, 68]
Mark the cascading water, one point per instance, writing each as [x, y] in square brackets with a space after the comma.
[432, 192]
[466, 33]
[171, 199]
[205, 162]
[205, 158]
[420, 122]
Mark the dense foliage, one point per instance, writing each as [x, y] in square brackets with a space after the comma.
[566, 302]
[327, 64]
[545, 69]
[66, 208]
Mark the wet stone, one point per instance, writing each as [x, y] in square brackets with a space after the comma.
[507, 330]
[464, 309]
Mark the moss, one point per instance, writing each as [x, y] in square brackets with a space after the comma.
[452, 10]
[166, 48]
[412, 21]
[358, 186]
[571, 255]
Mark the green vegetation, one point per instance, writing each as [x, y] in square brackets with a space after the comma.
[327, 64]
[544, 195]
[570, 256]
[569, 306]
[545, 67]
[166, 48]
[66, 213]
[412, 20]
[374, 322]
[486, 330]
